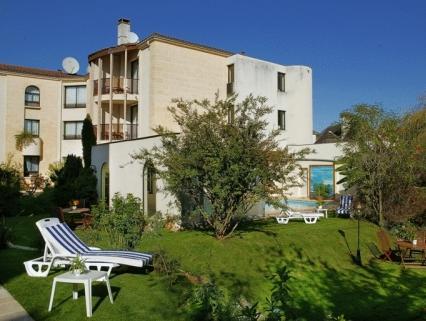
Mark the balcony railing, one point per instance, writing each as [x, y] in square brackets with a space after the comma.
[117, 85]
[119, 131]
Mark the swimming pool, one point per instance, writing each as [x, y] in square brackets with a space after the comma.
[305, 204]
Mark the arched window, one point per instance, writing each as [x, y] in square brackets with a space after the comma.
[32, 96]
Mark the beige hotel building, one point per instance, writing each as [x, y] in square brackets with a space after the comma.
[51, 105]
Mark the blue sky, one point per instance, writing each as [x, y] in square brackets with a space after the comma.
[360, 51]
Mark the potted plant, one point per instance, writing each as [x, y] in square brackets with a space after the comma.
[74, 204]
[77, 265]
[320, 202]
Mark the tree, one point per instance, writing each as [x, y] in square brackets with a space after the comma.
[378, 160]
[88, 139]
[224, 161]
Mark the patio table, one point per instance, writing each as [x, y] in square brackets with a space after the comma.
[407, 248]
[83, 214]
[86, 279]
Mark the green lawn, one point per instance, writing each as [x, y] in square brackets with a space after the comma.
[324, 278]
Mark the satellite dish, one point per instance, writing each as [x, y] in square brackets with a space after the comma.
[132, 37]
[70, 65]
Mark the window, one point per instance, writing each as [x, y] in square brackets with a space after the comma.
[75, 97]
[72, 129]
[32, 126]
[281, 119]
[32, 96]
[31, 165]
[230, 84]
[281, 81]
[230, 73]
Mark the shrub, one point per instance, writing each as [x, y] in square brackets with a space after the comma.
[74, 182]
[9, 188]
[406, 231]
[5, 233]
[123, 223]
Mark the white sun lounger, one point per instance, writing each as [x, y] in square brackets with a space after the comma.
[309, 218]
[62, 244]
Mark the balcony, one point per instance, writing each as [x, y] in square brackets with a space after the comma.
[117, 85]
[119, 132]
[33, 148]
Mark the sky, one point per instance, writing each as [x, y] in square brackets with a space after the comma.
[360, 51]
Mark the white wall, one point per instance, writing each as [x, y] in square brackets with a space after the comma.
[126, 174]
[324, 154]
[259, 78]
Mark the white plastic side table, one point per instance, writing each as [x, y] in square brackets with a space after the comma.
[324, 210]
[85, 278]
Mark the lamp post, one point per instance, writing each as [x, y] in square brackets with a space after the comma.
[358, 250]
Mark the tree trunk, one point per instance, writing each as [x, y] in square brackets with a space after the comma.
[381, 217]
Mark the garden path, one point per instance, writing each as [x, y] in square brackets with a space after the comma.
[10, 309]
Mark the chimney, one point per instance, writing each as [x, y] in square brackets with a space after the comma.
[123, 31]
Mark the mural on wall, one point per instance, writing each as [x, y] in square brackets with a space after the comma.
[321, 181]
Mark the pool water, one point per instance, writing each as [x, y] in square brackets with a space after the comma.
[304, 204]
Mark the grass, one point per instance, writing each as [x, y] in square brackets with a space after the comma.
[324, 278]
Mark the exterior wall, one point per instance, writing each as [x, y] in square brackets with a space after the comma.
[178, 72]
[72, 146]
[51, 115]
[325, 154]
[48, 114]
[258, 77]
[127, 175]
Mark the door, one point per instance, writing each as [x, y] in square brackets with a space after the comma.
[151, 188]
[105, 183]
[134, 76]
[134, 122]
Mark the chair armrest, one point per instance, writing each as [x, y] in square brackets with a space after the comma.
[94, 248]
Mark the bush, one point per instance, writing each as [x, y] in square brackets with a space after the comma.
[39, 204]
[9, 189]
[405, 231]
[124, 222]
[5, 233]
[74, 182]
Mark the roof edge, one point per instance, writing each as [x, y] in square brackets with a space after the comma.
[162, 38]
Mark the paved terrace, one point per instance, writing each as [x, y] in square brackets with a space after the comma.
[10, 309]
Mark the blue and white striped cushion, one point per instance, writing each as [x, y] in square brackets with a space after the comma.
[62, 234]
[345, 205]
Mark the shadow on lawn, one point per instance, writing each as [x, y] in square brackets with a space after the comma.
[376, 291]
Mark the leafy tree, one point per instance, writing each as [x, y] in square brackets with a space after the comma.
[378, 160]
[224, 160]
[88, 139]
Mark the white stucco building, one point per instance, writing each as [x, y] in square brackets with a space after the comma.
[133, 83]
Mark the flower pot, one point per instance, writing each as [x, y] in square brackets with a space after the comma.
[77, 272]
[74, 207]
[320, 207]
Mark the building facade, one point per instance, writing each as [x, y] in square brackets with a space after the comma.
[134, 83]
[50, 105]
[127, 91]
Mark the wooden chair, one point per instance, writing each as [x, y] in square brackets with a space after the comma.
[385, 246]
[59, 213]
